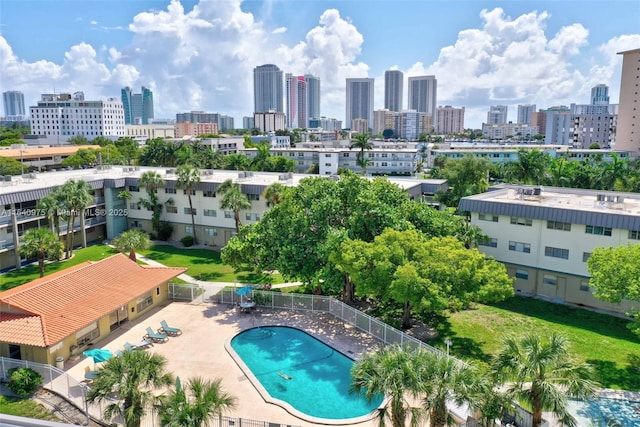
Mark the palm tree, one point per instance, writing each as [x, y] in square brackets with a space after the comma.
[360, 142]
[363, 162]
[274, 193]
[542, 374]
[392, 372]
[131, 241]
[131, 378]
[43, 244]
[207, 400]
[51, 205]
[233, 199]
[77, 196]
[261, 160]
[444, 379]
[238, 162]
[152, 180]
[530, 167]
[188, 177]
[470, 235]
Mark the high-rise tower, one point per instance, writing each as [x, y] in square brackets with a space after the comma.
[600, 95]
[268, 90]
[423, 94]
[13, 103]
[296, 88]
[138, 107]
[359, 102]
[525, 113]
[313, 97]
[497, 115]
[628, 129]
[393, 85]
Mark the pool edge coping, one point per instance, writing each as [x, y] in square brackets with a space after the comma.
[283, 404]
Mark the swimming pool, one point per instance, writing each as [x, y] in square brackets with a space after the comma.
[605, 412]
[300, 373]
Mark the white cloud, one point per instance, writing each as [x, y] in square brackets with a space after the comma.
[203, 59]
[94, 22]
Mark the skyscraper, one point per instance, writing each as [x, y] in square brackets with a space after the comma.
[296, 90]
[525, 112]
[13, 103]
[628, 128]
[600, 95]
[359, 102]
[449, 120]
[138, 107]
[497, 115]
[313, 96]
[393, 84]
[267, 89]
[423, 94]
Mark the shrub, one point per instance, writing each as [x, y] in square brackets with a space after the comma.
[24, 381]
[153, 236]
[187, 241]
[165, 229]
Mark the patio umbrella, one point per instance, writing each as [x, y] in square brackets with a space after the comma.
[244, 291]
[98, 354]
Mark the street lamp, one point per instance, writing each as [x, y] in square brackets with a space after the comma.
[448, 343]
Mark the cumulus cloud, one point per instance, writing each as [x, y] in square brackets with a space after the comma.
[203, 59]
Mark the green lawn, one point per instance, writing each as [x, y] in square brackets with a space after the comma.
[26, 274]
[24, 408]
[602, 340]
[205, 264]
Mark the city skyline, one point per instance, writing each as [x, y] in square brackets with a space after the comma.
[543, 53]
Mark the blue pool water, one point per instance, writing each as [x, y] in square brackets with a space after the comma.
[606, 412]
[297, 368]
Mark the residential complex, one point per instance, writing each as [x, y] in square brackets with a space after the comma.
[393, 86]
[423, 94]
[268, 92]
[497, 115]
[13, 104]
[545, 236]
[525, 113]
[359, 101]
[449, 120]
[628, 127]
[65, 115]
[296, 95]
[138, 107]
[313, 97]
[503, 131]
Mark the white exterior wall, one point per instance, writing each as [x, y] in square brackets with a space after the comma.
[329, 162]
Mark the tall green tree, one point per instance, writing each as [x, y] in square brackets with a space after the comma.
[42, 244]
[542, 374]
[77, 196]
[10, 166]
[52, 204]
[152, 181]
[530, 167]
[466, 177]
[233, 199]
[261, 160]
[615, 275]
[132, 378]
[274, 193]
[196, 404]
[238, 162]
[131, 241]
[361, 142]
[391, 372]
[188, 178]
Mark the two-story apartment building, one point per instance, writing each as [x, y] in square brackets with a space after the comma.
[546, 235]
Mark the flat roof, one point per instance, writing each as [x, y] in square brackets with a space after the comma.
[31, 152]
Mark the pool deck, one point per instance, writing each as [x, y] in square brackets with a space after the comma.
[200, 350]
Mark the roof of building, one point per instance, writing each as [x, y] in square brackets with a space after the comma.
[46, 310]
[629, 51]
[30, 152]
[572, 205]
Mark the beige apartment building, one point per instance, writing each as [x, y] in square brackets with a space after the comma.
[628, 130]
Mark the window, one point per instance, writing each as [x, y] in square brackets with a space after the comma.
[144, 302]
[549, 279]
[557, 225]
[172, 209]
[585, 256]
[556, 252]
[169, 191]
[87, 334]
[487, 217]
[133, 188]
[252, 216]
[520, 247]
[521, 221]
[188, 229]
[189, 211]
[634, 234]
[522, 274]
[208, 193]
[193, 192]
[228, 214]
[210, 232]
[600, 231]
[134, 206]
[255, 197]
[491, 242]
[210, 212]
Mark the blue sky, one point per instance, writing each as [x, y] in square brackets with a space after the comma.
[199, 55]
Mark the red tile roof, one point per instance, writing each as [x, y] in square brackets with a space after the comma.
[56, 306]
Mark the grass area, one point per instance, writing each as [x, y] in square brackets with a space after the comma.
[205, 264]
[26, 274]
[24, 408]
[602, 340]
